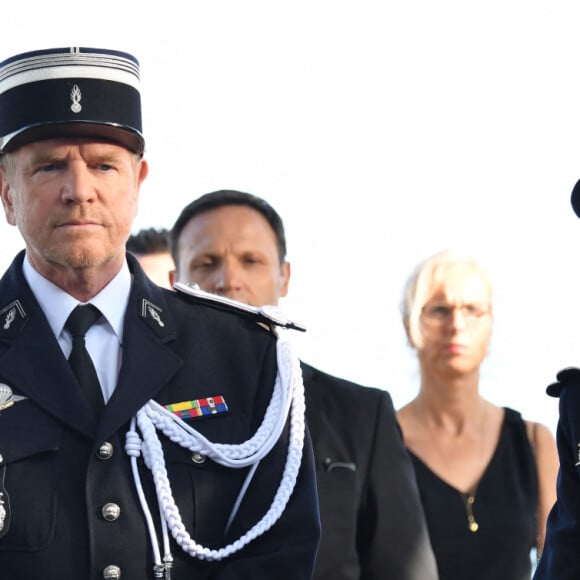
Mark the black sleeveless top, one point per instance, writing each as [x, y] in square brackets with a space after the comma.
[504, 511]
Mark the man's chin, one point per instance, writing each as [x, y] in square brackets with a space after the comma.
[79, 258]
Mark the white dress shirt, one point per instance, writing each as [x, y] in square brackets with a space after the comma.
[104, 339]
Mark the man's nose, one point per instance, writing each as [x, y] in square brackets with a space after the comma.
[77, 183]
[228, 278]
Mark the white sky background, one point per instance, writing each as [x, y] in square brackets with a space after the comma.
[382, 131]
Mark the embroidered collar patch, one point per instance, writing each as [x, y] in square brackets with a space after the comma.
[12, 319]
[156, 319]
[199, 407]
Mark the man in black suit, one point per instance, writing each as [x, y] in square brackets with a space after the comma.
[152, 452]
[233, 243]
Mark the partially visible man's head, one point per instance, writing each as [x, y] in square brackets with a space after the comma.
[232, 243]
[151, 247]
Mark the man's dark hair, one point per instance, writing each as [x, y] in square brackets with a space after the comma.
[148, 241]
[222, 198]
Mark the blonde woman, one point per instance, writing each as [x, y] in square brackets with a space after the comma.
[486, 476]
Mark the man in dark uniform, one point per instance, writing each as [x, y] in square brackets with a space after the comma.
[153, 451]
[233, 243]
[561, 556]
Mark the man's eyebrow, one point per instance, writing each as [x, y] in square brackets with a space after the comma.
[205, 254]
[105, 156]
[40, 158]
[45, 157]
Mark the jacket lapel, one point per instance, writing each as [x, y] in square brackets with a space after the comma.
[314, 400]
[31, 361]
[148, 360]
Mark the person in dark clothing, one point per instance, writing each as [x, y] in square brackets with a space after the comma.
[485, 475]
[233, 243]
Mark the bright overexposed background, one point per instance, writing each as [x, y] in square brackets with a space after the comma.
[382, 131]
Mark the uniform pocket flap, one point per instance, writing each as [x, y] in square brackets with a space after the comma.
[19, 443]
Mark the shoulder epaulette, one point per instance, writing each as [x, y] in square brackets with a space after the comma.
[567, 376]
[267, 314]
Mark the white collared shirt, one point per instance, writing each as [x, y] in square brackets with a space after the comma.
[105, 338]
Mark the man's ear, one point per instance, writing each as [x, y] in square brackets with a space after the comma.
[142, 172]
[6, 195]
[285, 275]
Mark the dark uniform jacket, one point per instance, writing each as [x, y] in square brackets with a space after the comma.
[59, 466]
[373, 527]
[560, 559]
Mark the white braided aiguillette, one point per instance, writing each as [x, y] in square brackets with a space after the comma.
[287, 398]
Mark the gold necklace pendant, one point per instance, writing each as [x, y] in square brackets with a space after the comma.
[469, 501]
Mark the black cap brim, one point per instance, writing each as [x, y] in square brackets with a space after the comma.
[124, 136]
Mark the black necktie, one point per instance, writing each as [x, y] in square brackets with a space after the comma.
[79, 321]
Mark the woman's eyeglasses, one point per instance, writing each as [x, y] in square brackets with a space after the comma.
[443, 313]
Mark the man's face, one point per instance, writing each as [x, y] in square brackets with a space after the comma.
[232, 251]
[73, 200]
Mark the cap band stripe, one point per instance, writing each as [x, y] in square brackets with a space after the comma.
[68, 59]
[74, 65]
[85, 72]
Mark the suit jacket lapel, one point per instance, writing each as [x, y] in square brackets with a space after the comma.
[314, 399]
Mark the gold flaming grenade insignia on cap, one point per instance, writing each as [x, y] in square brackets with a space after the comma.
[75, 97]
